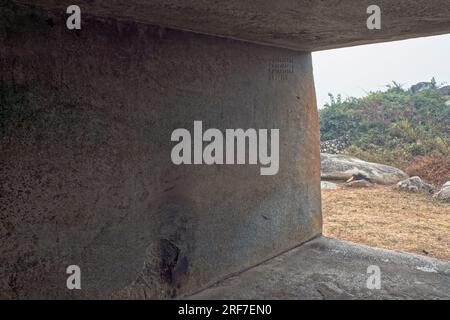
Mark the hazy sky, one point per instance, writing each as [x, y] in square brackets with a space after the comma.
[356, 70]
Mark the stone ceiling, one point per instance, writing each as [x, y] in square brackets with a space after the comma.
[307, 25]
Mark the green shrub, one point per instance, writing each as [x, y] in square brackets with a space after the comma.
[391, 126]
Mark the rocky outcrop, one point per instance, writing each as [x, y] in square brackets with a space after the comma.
[414, 184]
[342, 167]
[445, 90]
[421, 86]
[444, 193]
[335, 146]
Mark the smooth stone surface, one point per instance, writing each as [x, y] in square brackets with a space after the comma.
[85, 168]
[306, 25]
[326, 268]
[342, 167]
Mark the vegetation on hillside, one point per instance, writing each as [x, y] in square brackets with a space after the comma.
[397, 126]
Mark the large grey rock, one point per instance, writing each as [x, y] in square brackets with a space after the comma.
[444, 193]
[414, 184]
[341, 167]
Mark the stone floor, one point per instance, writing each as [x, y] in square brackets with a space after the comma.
[327, 268]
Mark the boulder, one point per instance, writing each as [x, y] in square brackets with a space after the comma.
[342, 167]
[328, 185]
[414, 184]
[444, 193]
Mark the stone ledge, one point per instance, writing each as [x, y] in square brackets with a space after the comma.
[327, 268]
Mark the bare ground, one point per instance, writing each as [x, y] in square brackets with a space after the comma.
[390, 219]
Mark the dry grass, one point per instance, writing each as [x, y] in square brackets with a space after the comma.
[432, 169]
[386, 218]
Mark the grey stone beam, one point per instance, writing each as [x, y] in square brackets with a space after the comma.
[306, 25]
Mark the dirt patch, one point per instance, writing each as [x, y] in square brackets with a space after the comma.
[390, 219]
